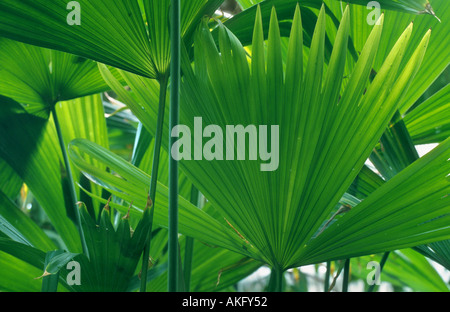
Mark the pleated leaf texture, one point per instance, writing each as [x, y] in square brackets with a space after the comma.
[127, 34]
[326, 133]
[38, 78]
[114, 252]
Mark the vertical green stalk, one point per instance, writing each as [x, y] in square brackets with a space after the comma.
[189, 246]
[327, 276]
[188, 255]
[346, 275]
[154, 176]
[173, 163]
[181, 283]
[73, 192]
[50, 283]
[276, 280]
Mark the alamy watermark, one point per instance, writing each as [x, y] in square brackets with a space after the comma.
[374, 16]
[74, 16]
[231, 146]
[74, 276]
[373, 278]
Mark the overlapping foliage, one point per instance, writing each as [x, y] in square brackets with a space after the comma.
[331, 87]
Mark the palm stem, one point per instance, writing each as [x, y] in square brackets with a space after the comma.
[154, 176]
[173, 163]
[187, 268]
[327, 276]
[276, 280]
[73, 193]
[189, 246]
[181, 283]
[346, 275]
[50, 283]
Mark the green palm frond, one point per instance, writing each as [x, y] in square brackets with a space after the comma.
[428, 123]
[318, 130]
[114, 251]
[436, 59]
[18, 275]
[29, 145]
[332, 90]
[20, 228]
[10, 182]
[131, 35]
[321, 143]
[437, 251]
[38, 78]
[213, 269]
[130, 184]
[410, 6]
[404, 268]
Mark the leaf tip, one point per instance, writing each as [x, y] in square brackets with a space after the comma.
[149, 203]
[127, 216]
[107, 208]
[43, 275]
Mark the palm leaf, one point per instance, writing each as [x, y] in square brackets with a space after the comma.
[84, 118]
[19, 227]
[18, 275]
[365, 183]
[294, 206]
[26, 253]
[390, 211]
[127, 34]
[410, 6]
[130, 183]
[53, 76]
[37, 159]
[10, 182]
[436, 58]
[213, 269]
[218, 91]
[38, 77]
[404, 268]
[428, 123]
[30, 146]
[114, 252]
[438, 251]
[263, 232]
[412, 269]
[396, 150]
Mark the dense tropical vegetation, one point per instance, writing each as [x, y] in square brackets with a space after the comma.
[92, 199]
